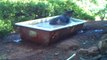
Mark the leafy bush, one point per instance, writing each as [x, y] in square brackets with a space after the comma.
[19, 11]
[5, 27]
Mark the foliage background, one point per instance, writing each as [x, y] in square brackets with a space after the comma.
[12, 11]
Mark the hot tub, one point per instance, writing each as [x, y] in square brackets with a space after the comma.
[40, 31]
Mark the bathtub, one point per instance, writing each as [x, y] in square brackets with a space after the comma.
[40, 31]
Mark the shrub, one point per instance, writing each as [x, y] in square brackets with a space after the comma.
[19, 11]
[5, 27]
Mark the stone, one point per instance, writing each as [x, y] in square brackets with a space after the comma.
[82, 52]
[56, 54]
[102, 45]
[104, 37]
[69, 44]
[93, 51]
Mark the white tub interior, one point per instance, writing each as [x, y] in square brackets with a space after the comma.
[43, 24]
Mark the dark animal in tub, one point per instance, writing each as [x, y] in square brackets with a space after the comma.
[62, 19]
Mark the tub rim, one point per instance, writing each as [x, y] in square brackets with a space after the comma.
[24, 24]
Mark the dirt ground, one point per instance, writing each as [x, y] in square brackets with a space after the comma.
[11, 48]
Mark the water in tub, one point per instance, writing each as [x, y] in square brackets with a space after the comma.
[46, 24]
